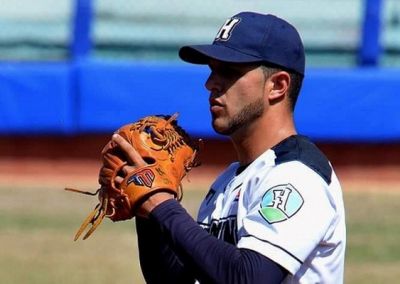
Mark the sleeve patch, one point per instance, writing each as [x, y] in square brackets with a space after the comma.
[280, 203]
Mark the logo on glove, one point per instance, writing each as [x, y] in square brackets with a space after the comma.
[144, 177]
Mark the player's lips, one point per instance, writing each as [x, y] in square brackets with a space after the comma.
[215, 105]
[215, 109]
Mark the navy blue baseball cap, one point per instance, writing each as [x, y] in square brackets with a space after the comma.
[250, 37]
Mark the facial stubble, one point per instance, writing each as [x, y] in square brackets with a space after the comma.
[245, 117]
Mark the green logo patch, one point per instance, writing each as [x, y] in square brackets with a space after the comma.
[280, 203]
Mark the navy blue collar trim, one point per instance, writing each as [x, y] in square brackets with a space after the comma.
[300, 148]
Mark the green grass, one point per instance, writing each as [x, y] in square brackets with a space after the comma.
[373, 234]
[37, 226]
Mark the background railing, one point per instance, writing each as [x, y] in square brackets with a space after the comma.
[335, 33]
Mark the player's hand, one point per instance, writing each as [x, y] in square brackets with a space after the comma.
[135, 161]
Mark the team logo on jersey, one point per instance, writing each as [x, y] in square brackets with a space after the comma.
[223, 229]
[280, 203]
[225, 31]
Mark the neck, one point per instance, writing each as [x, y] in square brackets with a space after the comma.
[264, 133]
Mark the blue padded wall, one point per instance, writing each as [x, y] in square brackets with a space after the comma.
[98, 97]
[36, 98]
[114, 94]
[350, 105]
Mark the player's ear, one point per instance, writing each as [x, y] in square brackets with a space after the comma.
[278, 84]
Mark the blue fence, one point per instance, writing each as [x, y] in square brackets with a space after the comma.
[90, 97]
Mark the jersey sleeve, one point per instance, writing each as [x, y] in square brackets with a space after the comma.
[287, 215]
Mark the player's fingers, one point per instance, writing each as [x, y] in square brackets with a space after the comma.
[107, 147]
[128, 169]
[131, 154]
[118, 180]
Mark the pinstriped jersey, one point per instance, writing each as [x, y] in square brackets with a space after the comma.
[288, 206]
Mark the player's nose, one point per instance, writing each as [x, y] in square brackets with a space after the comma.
[212, 84]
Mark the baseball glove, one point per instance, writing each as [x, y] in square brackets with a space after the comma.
[169, 153]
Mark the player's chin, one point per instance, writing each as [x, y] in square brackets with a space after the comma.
[220, 127]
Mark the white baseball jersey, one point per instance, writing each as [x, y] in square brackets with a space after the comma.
[286, 205]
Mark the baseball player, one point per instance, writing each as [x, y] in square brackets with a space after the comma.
[275, 215]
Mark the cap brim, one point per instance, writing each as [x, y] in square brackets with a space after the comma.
[201, 54]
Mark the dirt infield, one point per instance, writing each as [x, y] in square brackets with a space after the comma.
[74, 161]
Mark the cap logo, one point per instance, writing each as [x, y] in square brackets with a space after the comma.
[225, 31]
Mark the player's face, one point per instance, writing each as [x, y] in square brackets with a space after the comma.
[236, 95]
